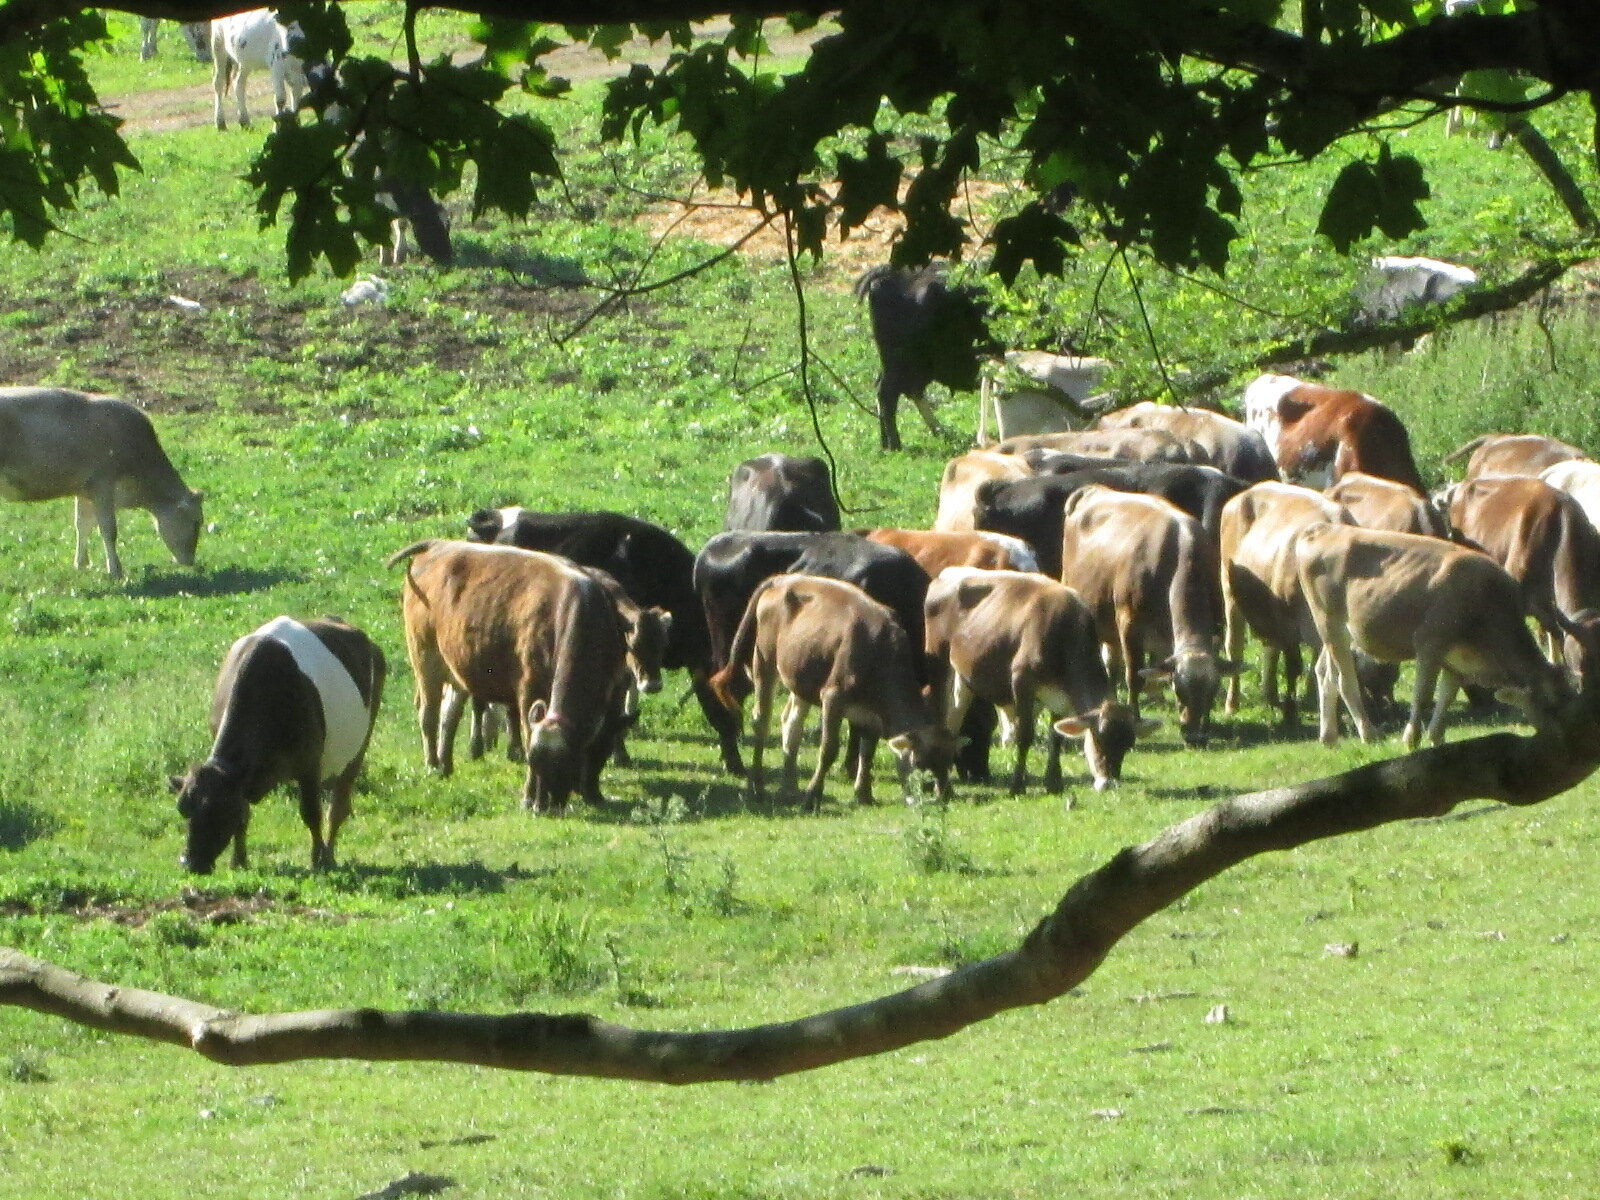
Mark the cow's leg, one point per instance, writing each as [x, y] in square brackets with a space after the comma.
[1449, 684]
[1270, 657]
[241, 858]
[310, 789]
[1052, 760]
[102, 506]
[1020, 714]
[219, 84]
[794, 727]
[1132, 664]
[1343, 675]
[1233, 644]
[867, 740]
[888, 404]
[929, 417]
[722, 722]
[455, 701]
[1428, 665]
[760, 726]
[1293, 665]
[429, 693]
[827, 749]
[339, 809]
[238, 92]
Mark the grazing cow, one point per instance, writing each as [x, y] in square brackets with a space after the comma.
[836, 648]
[1399, 596]
[1403, 281]
[1149, 573]
[1513, 454]
[1375, 503]
[1020, 641]
[1138, 445]
[926, 332]
[1230, 446]
[959, 484]
[196, 33]
[776, 493]
[1319, 434]
[935, 549]
[417, 215]
[1056, 393]
[528, 630]
[250, 41]
[102, 452]
[294, 703]
[1261, 584]
[1580, 479]
[1543, 539]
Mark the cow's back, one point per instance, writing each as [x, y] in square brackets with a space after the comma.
[58, 442]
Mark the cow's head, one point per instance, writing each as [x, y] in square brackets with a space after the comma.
[648, 633]
[179, 525]
[1580, 649]
[1108, 733]
[553, 759]
[211, 802]
[929, 748]
[1196, 677]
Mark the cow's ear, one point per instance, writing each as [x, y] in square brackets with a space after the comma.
[175, 784]
[1518, 697]
[901, 745]
[1146, 726]
[1073, 727]
[665, 618]
[1159, 671]
[537, 711]
[1228, 666]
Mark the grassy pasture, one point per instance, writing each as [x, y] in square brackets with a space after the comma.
[1452, 1055]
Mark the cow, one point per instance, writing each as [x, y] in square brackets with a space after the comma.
[936, 549]
[102, 452]
[1150, 574]
[1375, 503]
[196, 33]
[654, 568]
[1138, 445]
[294, 704]
[525, 629]
[250, 41]
[1230, 446]
[1512, 454]
[417, 215]
[1543, 539]
[1318, 434]
[1580, 479]
[775, 493]
[1261, 584]
[959, 484]
[926, 331]
[1035, 391]
[1402, 596]
[1019, 641]
[1403, 281]
[835, 648]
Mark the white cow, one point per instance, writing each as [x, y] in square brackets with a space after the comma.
[1059, 394]
[248, 41]
[1402, 281]
[1580, 479]
[196, 33]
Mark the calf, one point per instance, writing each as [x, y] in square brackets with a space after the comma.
[1230, 446]
[935, 550]
[777, 492]
[926, 332]
[527, 630]
[1318, 434]
[1149, 573]
[1018, 641]
[250, 41]
[1039, 392]
[1398, 596]
[1513, 454]
[294, 703]
[959, 485]
[836, 648]
[102, 452]
[1261, 584]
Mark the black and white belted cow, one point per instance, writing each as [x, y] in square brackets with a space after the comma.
[294, 703]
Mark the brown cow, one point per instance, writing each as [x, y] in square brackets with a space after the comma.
[101, 451]
[1229, 445]
[936, 549]
[1139, 445]
[1375, 503]
[527, 630]
[833, 647]
[1399, 596]
[1261, 584]
[1541, 536]
[1017, 641]
[959, 485]
[1149, 573]
[1512, 454]
[1319, 434]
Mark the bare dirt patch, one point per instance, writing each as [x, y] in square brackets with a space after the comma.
[205, 907]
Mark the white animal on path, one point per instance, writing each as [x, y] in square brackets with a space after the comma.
[246, 42]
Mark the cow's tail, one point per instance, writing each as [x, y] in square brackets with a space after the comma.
[869, 280]
[732, 684]
[410, 551]
[1462, 451]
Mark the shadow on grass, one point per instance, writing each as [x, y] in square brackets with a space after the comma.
[22, 824]
[538, 270]
[225, 582]
[433, 879]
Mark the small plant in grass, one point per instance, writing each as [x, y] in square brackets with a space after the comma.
[656, 814]
[26, 1068]
[929, 843]
[623, 979]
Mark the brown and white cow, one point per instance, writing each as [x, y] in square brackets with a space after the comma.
[1319, 434]
[1229, 445]
[101, 451]
[936, 549]
[294, 703]
[1021, 642]
[1150, 575]
[1513, 454]
[1375, 503]
[834, 648]
[958, 487]
[1401, 596]
[1261, 584]
[525, 629]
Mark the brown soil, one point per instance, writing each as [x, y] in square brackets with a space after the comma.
[203, 907]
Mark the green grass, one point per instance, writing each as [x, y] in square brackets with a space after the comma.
[1453, 1055]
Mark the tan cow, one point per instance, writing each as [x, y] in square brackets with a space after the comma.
[1261, 584]
[1375, 503]
[936, 549]
[101, 451]
[1512, 454]
[1228, 445]
[1320, 434]
[524, 629]
[1138, 445]
[959, 485]
[832, 647]
[1020, 642]
[1400, 596]
[1149, 573]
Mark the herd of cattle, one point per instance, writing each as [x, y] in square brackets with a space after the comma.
[1070, 573]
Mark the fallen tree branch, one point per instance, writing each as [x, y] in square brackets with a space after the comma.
[1063, 950]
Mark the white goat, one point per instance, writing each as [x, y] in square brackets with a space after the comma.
[246, 41]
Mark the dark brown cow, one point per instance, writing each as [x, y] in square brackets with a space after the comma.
[936, 549]
[1149, 573]
[774, 493]
[1229, 445]
[1512, 454]
[1022, 641]
[1375, 503]
[1319, 434]
[834, 647]
[958, 487]
[525, 629]
[1399, 596]
[294, 703]
[1261, 584]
